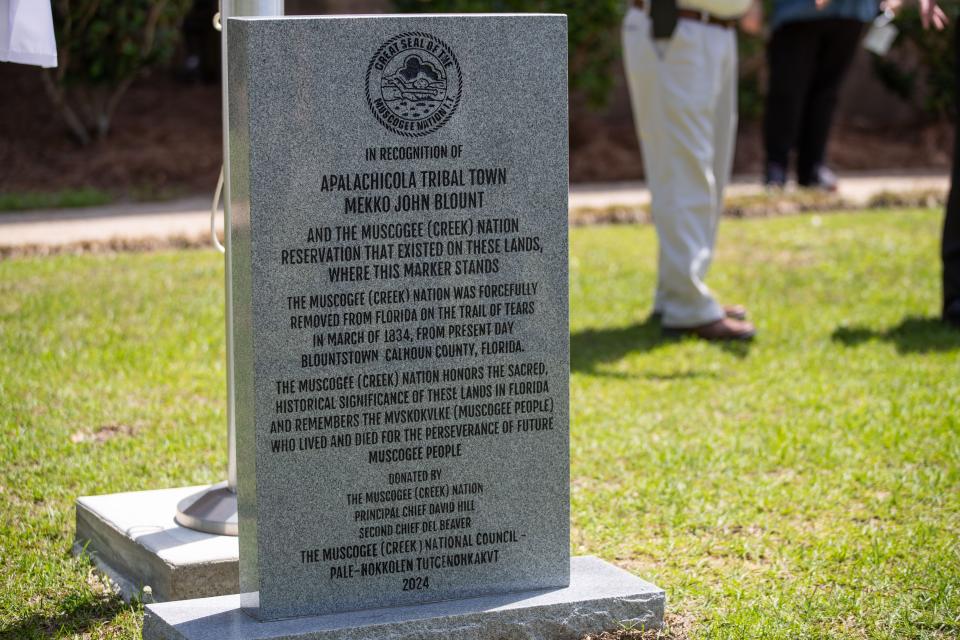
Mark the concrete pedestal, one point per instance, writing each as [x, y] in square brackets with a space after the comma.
[133, 538]
[600, 597]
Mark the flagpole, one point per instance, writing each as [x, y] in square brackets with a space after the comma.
[214, 510]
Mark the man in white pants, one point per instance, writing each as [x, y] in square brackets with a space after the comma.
[684, 95]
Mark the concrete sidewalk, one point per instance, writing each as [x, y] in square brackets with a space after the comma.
[189, 219]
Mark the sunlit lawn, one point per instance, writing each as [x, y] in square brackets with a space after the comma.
[807, 486]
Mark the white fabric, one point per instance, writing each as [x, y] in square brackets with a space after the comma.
[26, 32]
[719, 8]
[684, 97]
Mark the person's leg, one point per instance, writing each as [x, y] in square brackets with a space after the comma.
[950, 244]
[725, 131]
[838, 44]
[640, 60]
[675, 91]
[950, 252]
[683, 185]
[725, 123]
[791, 70]
[725, 141]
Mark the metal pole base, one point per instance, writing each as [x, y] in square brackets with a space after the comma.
[213, 510]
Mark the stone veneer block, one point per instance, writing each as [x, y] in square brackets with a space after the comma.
[133, 538]
[413, 168]
[600, 596]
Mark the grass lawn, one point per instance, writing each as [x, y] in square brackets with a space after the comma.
[807, 486]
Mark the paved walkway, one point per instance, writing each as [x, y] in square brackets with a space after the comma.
[190, 218]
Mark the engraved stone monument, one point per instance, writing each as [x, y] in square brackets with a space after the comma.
[398, 239]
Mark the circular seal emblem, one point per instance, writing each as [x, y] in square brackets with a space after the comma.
[414, 84]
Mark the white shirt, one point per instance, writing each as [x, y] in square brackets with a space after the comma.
[26, 32]
[717, 8]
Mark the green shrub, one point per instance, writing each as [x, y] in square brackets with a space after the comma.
[752, 54]
[86, 197]
[593, 32]
[103, 46]
[921, 67]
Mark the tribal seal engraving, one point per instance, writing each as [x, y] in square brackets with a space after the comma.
[414, 84]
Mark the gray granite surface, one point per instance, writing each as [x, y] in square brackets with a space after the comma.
[600, 596]
[399, 237]
[133, 538]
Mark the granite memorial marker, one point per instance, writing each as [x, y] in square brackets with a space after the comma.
[400, 330]
[400, 279]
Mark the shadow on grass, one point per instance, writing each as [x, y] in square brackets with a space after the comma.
[913, 335]
[593, 348]
[75, 616]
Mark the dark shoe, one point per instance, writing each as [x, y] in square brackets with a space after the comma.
[775, 176]
[820, 177]
[735, 311]
[719, 330]
[951, 314]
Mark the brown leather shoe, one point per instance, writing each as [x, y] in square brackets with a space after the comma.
[735, 311]
[722, 329]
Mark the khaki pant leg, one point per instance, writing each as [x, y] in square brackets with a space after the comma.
[674, 94]
[640, 62]
[725, 133]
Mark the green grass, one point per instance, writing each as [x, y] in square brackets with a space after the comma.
[55, 200]
[807, 486]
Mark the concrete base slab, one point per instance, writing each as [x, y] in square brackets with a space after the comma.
[600, 597]
[134, 540]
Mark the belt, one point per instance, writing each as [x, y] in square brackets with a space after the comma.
[699, 16]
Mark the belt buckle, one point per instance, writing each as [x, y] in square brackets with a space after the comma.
[705, 17]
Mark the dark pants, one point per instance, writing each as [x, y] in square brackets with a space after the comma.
[950, 247]
[807, 61]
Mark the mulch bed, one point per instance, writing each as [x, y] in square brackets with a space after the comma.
[166, 142]
[115, 245]
[770, 205]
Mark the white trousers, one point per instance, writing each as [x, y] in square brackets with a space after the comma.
[26, 32]
[684, 96]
